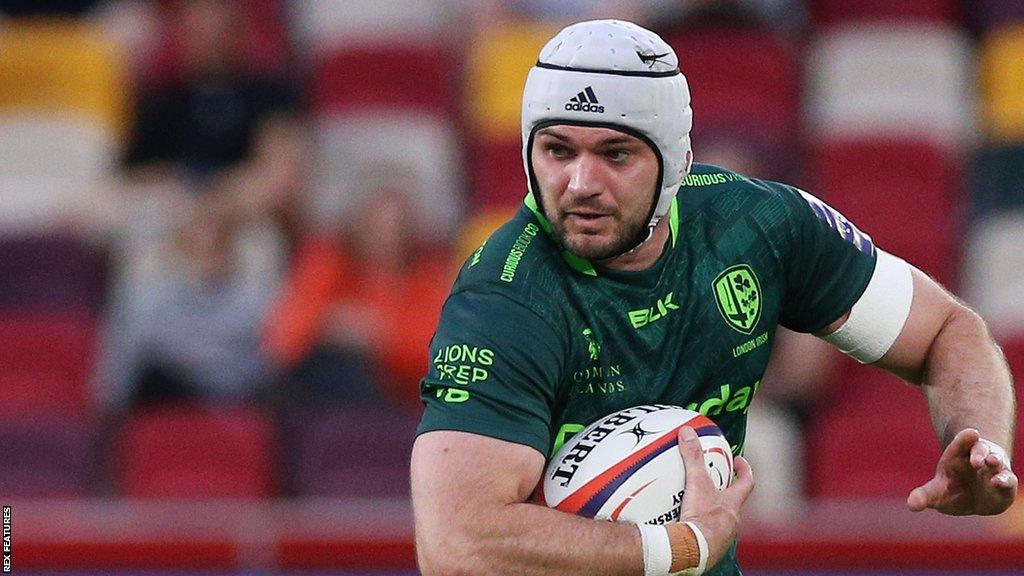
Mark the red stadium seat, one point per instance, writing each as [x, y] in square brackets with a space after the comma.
[410, 76]
[873, 439]
[45, 361]
[51, 273]
[837, 12]
[48, 457]
[196, 452]
[496, 173]
[741, 82]
[356, 453]
[903, 194]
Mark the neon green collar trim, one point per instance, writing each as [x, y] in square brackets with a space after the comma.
[673, 220]
[531, 203]
[583, 265]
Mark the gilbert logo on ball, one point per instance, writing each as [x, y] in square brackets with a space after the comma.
[626, 466]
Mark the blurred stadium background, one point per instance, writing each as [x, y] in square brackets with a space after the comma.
[227, 228]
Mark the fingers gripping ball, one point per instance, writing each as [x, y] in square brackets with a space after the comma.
[627, 467]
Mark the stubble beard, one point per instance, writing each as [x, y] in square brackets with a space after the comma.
[585, 246]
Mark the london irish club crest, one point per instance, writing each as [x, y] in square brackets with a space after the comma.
[738, 295]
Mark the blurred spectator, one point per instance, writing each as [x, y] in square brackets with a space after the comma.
[216, 165]
[211, 123]
[206, 105]
[194, 335]
[271, 182]
[370, 294]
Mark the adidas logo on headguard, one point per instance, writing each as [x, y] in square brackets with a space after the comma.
[585, 101]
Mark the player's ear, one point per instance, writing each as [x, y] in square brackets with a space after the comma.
[689, 160]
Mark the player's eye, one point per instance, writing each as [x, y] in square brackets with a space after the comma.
[617, 154]
[558, 151]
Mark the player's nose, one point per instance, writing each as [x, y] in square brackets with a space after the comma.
[584, 176]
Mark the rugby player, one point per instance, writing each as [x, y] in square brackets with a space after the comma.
[631, 275]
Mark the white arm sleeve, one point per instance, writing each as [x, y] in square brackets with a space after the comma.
[877, 318]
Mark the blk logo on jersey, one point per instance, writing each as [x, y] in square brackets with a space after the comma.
[644, 316]
[738, 295]
[585, 101]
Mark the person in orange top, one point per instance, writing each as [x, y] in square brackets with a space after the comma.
[360, 307]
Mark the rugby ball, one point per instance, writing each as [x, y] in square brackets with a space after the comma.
[626, 467]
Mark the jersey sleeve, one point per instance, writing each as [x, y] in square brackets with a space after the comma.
[827, 263]
[494, 368]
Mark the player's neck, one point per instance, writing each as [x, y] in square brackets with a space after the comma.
[643, 257]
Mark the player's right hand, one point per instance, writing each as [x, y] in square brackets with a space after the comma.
[969, 479]
[716, 512]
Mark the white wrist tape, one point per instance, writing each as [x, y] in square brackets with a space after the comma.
[657, 549]
[877, 318]
[702, 546]
[994, 448]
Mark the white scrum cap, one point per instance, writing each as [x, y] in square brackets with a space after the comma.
[613, 74]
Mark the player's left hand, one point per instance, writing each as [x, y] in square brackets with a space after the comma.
[969, 479]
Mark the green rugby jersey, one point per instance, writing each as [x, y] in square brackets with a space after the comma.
[534, 343]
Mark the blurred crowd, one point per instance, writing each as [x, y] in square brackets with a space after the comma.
[227, 227]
